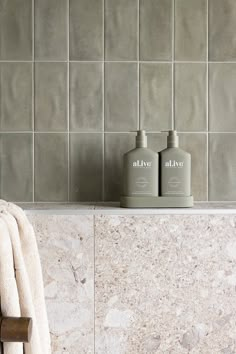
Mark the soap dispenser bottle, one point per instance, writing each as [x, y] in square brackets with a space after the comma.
[140, 169]
[175, 166]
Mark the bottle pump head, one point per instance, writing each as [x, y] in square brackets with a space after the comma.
[141, 139]
[172, 139]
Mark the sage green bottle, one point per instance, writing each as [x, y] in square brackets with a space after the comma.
[175, 166]
[140, 169]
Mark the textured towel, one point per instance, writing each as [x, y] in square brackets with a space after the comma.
[24, 255]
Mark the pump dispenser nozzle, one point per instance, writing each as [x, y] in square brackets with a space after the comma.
[172, 139]
[141, 139]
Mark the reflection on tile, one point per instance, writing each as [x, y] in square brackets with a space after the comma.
[222, 30]
[86, 29]
[222, 167]
[222, 97]
[120, 96]
[15, 96]
[51, 175]
[66, 250]
[51, 96]
[196, 145]
[155, 29]
[115, 146]
[86, 167]
[86, 101]
[51, 29]
[121, 18]
[155, 96]
[190, 29]
[16, 167]
[16, 30]
[190, 97]
[164, 284]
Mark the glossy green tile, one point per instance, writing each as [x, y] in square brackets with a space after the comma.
[86, 151]
[222, 97]
[16, 163]
[222, 167]
[86, 101]
[156, 141]
[51, 167]
[50, 96]
[222, 30]
[196, 145]
[121, 96]
[15, 96]
[190, 97]
[115, 146]
[121, 21]
[51, 29]
[190, 30]
[16, 30]
[86, 29]
[155, 29]
[155, 96]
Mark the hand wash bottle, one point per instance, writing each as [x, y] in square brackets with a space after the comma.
[175, 166]
[140, 169]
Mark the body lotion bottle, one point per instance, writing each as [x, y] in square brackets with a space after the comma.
[175, 165]
[140, 169]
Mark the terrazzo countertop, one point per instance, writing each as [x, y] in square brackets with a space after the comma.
[113, 208]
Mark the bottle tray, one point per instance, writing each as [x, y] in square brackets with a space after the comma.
[156, 202]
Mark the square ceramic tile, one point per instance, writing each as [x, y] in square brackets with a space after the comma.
[116, 145]
[86, 96]
[222, 97]
[121, 21]
[190, 97]
[190, 30]
[121, 93]
[155, 29]
[222, 167]
[222, 30]
[15, 96]
[16, 30]
[86, 161]
[51, 29]
[66, 247]
[51, 167]
[51, 97]
[155, 96]
[86, 29]
[16, 170]
[196, 145]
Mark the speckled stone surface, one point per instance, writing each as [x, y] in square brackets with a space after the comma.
[165, 284]
[67, 256]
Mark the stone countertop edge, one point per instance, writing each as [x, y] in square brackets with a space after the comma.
[113, 208]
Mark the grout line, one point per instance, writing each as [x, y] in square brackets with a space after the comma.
[121, 61]
[207, 95]
[33, 106]
[138, 64]
[94, 283]
[173, 67]
[111, 132]
[103, 107]
[68, 98]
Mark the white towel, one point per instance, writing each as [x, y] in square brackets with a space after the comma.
[28, 277]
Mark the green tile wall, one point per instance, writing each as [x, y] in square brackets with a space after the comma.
[76, 76]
